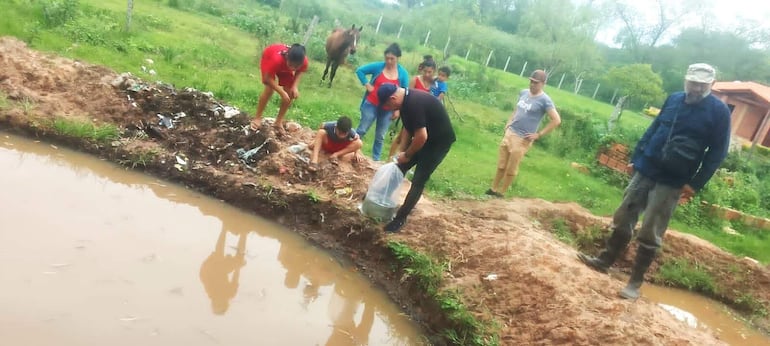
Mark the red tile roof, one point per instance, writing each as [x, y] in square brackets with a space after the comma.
[759, 90]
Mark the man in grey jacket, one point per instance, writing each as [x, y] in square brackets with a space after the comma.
[675, 158]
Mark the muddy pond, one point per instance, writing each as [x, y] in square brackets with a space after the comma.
[94, 254]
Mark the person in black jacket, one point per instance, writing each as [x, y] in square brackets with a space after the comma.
[675, 158]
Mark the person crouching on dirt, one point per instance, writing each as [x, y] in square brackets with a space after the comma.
[675, 157]
[287, 63]
[428, 126]
[336, 139]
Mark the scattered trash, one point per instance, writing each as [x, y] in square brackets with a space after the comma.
[249, 157]
[297, 148]
[231, 112]
[179, 115]
[181, 159]
[149, 61]
[226, 111]
[681, 315]
[302, 158]
[343, 191]
[166, 121]
[152, 72]
[55, 147]
[491, 277]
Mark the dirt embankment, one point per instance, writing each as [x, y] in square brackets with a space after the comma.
[542, 295]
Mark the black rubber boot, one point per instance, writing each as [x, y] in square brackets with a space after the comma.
[644, 257]
[616, 245]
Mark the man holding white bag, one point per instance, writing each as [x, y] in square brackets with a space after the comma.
[427, 123]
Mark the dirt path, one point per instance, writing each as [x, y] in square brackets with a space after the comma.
[542, 294]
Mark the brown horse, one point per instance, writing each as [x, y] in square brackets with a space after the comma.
[339, 44]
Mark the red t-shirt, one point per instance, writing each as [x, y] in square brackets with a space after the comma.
[372, 97]
[273, 63]
[419, 86]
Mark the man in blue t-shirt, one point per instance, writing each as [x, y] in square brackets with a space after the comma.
[521, 131]
[675, 157]
[337, 139]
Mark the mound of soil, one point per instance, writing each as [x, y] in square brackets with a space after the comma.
[541, 294]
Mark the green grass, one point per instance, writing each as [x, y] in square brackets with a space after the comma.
[465, 328]
[86, 130]
[4, 102]
[681, 273]
[200, 50]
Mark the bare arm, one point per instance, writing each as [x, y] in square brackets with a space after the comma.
[554, 123]
[269, 80]
[418, 141]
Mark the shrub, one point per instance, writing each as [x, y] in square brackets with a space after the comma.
[59, 12]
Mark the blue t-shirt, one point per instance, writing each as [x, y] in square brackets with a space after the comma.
[438, 87]
[330, 127]
[529, 112]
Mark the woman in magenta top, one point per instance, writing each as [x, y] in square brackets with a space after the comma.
[388, 71]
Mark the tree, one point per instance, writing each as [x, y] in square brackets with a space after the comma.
[563, 34]
[638, 82]
[639, 34]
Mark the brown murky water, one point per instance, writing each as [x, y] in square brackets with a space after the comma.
[93, 254]
[708, 313]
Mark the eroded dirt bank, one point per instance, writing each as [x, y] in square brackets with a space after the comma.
[542, 295]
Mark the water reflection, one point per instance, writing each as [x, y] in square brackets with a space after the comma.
[343, 307]
[164, 262]
[221, 272]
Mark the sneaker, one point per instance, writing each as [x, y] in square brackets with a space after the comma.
[494, 194]
[395, 225]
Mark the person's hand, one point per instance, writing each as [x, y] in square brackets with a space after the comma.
[630, 168]
[294, 93]
[401, 158]
[285, 97]
[687, 193]
[369, 87]
[532, 136]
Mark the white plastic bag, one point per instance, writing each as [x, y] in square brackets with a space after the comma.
[381, 197]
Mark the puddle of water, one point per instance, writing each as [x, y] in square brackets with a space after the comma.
[94, 254]
[707, 312]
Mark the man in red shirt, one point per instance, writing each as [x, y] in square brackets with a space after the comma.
[287, 63]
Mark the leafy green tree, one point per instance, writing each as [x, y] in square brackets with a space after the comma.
[638, 82]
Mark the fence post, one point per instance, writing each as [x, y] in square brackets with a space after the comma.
[596, 91]
[426, 39]
[468, 52]
[446, 46]
[505, 69]
[615, 93]
[561, 80]
[524, 68]
[310, 29]
[128, 14]
[377, 31]
[578, 85]
[489, 57]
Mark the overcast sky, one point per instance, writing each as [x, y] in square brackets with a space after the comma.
[726, 13]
